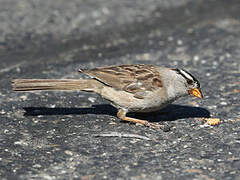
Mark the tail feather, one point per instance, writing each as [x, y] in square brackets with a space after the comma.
[54, 84]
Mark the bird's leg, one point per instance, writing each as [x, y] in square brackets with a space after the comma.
[122, 115]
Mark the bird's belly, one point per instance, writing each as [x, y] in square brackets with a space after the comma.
[148, 106]
[122, 99]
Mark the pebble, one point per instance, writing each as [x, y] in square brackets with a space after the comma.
[212, 107]
[228, 55]
[70, 153]
[196, 58]
[23, 97]
[179, 42]
[37, 166]
[215, 63]
[53, 105]
[223, 103]
[6, 131]
[92, 99]
[2, 112]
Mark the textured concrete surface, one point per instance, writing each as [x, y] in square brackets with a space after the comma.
[60, 135]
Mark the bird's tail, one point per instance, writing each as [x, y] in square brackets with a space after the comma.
[55, 84]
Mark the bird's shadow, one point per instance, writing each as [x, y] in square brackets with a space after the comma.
[170, 113]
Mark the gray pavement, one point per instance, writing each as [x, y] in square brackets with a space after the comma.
[62, 135]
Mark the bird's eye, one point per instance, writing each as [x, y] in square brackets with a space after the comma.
[190, 81]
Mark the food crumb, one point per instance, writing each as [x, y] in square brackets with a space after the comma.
[212, 121]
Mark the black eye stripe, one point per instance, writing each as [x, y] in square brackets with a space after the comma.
[189, 81]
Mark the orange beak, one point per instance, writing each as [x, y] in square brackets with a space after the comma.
[196, 92]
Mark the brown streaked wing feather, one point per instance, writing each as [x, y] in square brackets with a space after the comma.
[130, 78]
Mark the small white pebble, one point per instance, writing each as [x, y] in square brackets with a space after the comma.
[212, 107]
[21, 142]
[204, 125]
[6, 131]
[2, 112]
[215, 63]
[18, 69]
[179, 42]
[70, 153]
[37, 166]
[23, 97]
[175, 63]
[92, 99]
[228, 55]
[35, 121]
[196, 58]
[53, 105]
[223, 103]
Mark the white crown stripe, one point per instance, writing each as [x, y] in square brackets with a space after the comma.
[188, 76]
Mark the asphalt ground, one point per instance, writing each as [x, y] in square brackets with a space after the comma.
[76, 135]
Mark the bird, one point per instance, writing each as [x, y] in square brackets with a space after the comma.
[128, 87]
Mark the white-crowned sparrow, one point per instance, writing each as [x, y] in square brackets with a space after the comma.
[130, 88]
